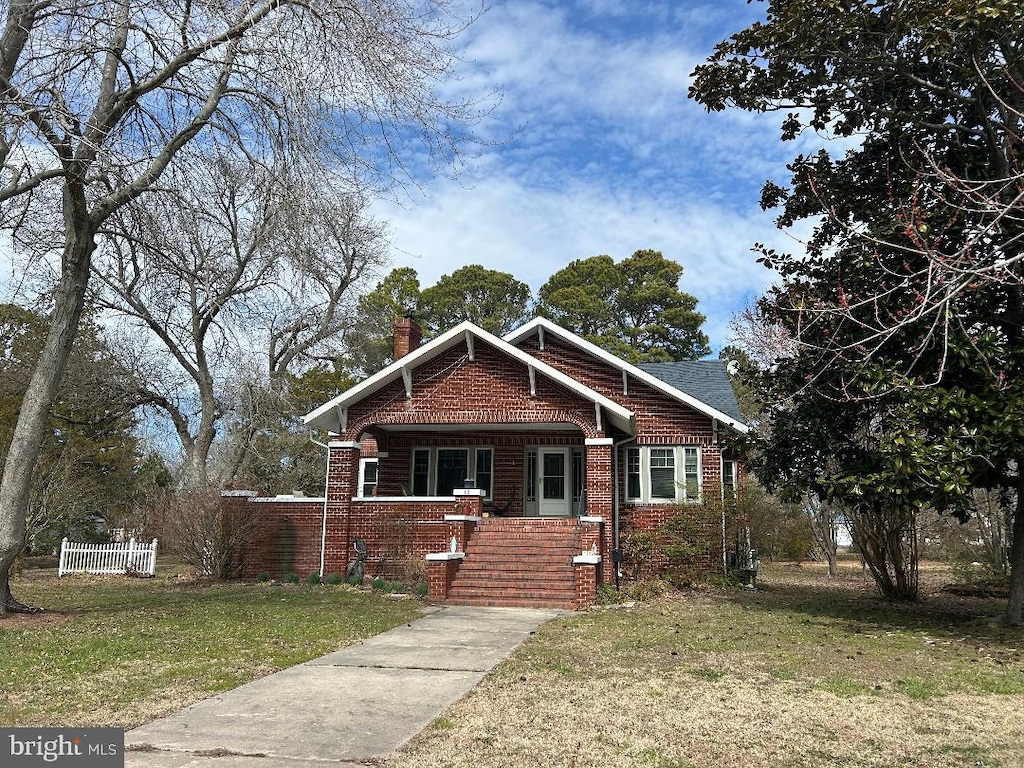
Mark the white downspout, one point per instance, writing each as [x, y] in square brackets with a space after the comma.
[323, 523]
[615, 498]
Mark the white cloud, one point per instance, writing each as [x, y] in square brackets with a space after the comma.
[596, 149]
[532, 233]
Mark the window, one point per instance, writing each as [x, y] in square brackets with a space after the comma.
[691, 474]
[578, 465]
[482, 475]
[368, 477]
[439, 471]
[663, 474]
[729, 480]
[421, 472]
[632, 473]
[452, 470]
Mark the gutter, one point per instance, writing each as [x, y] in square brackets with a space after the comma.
[323, 523]
[616, 548]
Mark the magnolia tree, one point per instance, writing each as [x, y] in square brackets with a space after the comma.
[99, 98]
[906, 307]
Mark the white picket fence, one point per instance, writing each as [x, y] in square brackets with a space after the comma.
[123, 557]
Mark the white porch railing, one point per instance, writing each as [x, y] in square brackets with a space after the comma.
[131, 555]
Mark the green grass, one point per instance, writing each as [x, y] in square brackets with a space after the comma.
[119, 651]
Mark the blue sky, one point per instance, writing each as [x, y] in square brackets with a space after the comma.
[598, 150]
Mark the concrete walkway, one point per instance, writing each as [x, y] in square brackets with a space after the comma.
[345, 708]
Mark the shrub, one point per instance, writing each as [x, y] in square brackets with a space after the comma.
[421, 589]
[204, 531]
[355, 581]
[648, 589]
[334, 579]
[313, 579]
[607, 595]
[291, 578]
[683, 548]
[638, 547]
[264, 577]
[378, 583]
[394, 586]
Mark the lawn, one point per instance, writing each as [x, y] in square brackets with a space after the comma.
[119, 651]
[802, 672]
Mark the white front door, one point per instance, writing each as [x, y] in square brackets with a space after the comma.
[554, 490]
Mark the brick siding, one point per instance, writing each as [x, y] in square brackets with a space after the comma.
[493, 388]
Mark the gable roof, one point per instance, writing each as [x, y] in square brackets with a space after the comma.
[332, 414]
[709, 377]
[702, 384]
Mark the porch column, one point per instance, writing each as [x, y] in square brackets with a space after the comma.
[599, 498]
[442, 568]
[468, 513]
[342, 482]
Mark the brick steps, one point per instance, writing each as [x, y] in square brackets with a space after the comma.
[500, 602]
[518, 563]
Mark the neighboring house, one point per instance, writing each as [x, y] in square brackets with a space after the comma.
[511, 467]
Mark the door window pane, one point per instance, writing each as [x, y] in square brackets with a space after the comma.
[554, 475]
[531, 475]
[577, 480]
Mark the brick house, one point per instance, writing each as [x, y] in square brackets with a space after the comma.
[511, 468]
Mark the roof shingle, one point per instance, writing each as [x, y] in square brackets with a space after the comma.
[706, 380]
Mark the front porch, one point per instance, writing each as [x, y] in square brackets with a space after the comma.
[517, 561]
[469, 555]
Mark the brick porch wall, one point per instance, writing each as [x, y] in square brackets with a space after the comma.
[399, 533]
[285, 537]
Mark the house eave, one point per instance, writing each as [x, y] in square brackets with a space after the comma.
[542, 325]
[326, 416]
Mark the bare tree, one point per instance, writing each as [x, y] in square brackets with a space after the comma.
[822, 517]
[238, 262]
[205, 533]
[762, 338]
[99, 97]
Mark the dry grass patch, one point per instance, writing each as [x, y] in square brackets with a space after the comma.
[803, 672]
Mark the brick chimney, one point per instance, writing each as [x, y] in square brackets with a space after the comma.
[407, 336]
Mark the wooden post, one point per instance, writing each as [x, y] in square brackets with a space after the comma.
[63, 554]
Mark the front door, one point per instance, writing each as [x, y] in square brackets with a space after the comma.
[554, 491]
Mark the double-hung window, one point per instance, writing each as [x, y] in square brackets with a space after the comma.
[368, 477]
[439, 471]
[663, 474]
[729, 480]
